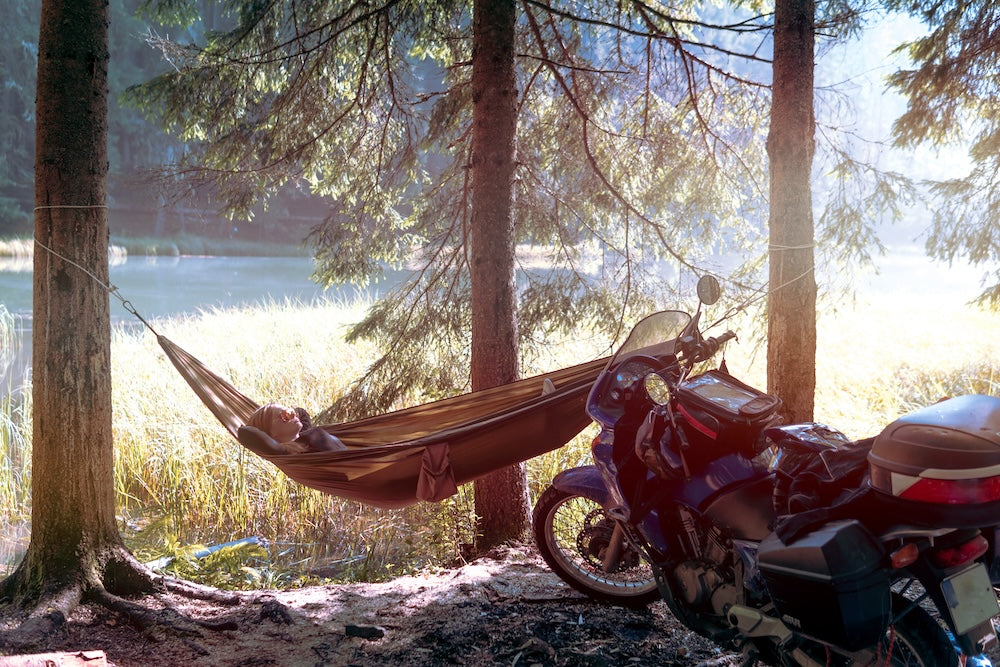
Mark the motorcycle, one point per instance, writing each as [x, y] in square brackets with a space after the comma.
[788, 543]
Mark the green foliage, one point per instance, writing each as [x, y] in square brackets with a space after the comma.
[135, 145]
[18, 65]
[633, 146]
[241, 566]
[952, 92]
[859, 195]
[183, 13]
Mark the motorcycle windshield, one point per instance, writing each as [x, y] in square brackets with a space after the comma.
[654, 335]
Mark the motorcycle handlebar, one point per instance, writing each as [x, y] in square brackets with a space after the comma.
[711, 345]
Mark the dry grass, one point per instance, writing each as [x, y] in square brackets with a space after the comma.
[181, 479]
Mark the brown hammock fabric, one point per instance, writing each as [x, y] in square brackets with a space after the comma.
[419, 453]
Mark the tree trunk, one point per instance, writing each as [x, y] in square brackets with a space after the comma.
[501, 498]
[791, 350]
[72, 486]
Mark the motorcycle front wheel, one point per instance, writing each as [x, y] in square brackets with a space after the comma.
[579, 542]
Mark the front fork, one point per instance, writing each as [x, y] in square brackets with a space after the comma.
[616, 547]
[586, 481]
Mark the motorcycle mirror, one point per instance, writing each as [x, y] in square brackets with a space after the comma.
[657, 389]
[709, 290]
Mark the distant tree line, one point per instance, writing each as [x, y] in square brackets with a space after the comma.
[140, 202]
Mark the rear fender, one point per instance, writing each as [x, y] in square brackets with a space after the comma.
[583, 481]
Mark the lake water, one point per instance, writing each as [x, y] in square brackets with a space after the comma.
[164, 286]
[168, 286]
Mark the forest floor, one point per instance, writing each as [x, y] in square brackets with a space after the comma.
[502, 609]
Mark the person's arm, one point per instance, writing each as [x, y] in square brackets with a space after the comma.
[304, 418]
[318, 440]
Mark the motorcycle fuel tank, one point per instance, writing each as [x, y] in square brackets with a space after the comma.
[947, 453]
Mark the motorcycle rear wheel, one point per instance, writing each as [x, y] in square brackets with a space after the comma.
[915, 640]
[573, 533]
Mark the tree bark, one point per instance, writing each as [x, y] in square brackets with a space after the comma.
[791, 350]
[501, 498]
[73, 524]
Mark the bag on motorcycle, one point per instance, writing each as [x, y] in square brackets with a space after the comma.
[941, 463]
[718, 407]
[829, 584]
[810, 480]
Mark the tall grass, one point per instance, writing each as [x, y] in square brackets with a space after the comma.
[181, 479]
[17, 255]
[883, 359]
[15, 445]
[16, 247]
[176, 464]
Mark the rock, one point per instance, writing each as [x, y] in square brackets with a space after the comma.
[275, 611]
[364, 631]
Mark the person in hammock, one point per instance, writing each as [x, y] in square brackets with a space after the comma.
[292, 428]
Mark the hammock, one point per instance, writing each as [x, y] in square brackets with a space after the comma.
[419, 453]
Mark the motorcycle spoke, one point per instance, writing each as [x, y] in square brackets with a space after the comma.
[579, 542]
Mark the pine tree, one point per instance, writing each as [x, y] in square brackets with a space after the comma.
[953, 95]
[791, 334]
[75, 548]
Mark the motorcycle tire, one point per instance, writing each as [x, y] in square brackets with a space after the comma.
[572, 533]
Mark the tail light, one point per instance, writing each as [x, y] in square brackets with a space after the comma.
[959, 554]
[954, 491]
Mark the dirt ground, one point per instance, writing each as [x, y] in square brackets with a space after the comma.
[508, 609]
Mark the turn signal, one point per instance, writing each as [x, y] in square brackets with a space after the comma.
[904, 556]
[960, 554]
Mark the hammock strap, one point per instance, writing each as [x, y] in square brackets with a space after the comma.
[229, 405]
[109, 288]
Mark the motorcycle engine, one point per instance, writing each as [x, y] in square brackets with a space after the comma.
[708, 580]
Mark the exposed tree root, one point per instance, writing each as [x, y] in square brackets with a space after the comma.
[143, 618]
[49, 613]
[198, 592]
[123, 576]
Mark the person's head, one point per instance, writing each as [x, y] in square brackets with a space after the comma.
[278, 421]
